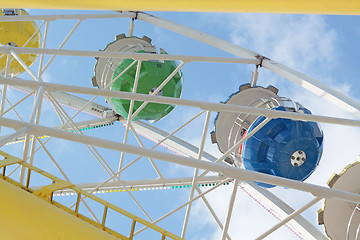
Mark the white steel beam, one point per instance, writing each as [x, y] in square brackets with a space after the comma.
[145, 184]
[61, 46]
[136, 56]
[218, 107]
[346, 103]
[231, 172]
[183, 205]
[75, 102]
[282, 210]
[197, 35]
[65, 17]
[291, 216]
[127, 125]
[230, 210]
[3, 97]
[196, 173]
[9, 138]
[43, 44]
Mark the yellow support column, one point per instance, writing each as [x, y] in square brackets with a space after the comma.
[25, 216]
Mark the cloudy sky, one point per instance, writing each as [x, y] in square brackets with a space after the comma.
[322, 47]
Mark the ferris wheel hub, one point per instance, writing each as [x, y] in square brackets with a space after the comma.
[298, 158]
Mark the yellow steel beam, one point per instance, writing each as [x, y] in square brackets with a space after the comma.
[347, 7]
[25, 216]
[45, 193]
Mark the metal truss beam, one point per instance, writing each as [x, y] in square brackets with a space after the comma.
[175, 101]
[65, 16]
[231, 172]
[136, 56]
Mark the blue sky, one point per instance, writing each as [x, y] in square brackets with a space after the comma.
[322, 47]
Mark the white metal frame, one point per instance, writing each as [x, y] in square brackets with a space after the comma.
[192, 156]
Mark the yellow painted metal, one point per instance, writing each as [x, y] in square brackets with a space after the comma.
[24, 216]
[19, 33]
[260, 6]
[46, 192]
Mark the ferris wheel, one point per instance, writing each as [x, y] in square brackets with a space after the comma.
[116, 145]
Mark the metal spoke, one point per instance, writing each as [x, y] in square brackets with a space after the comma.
[195, 176]
[291, 216]
[137, 75]
[60, 47]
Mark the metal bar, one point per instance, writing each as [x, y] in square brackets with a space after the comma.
[155, 183]
[231, 207]
[16, 168]
[196, 172]
[131, 28]
[183, 205]
[61, 45]
[132, 230]
[52, 159]
[291, 216]
[43, 46]
[231, 172]
[197, 35]
[254, 76]
[118, 76]
[77, 203]
[316, 87]
[20, 132]
[28, 179]
[274, 204]
[16, 113]
[212, 212]
[3, 97]
[75, 128]
[33, 35]
[26, 67]
[183, 102]
[157, 90]
[135, 56]
[137, 74]
[65, 17]
[157, 170]
[37, 102]
[104, 217]
[24, 157]
[35, 119]
[236, 146]
[17, 103]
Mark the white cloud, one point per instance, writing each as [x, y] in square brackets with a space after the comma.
[301, 41]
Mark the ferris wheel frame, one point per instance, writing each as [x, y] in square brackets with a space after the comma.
[192, 156]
